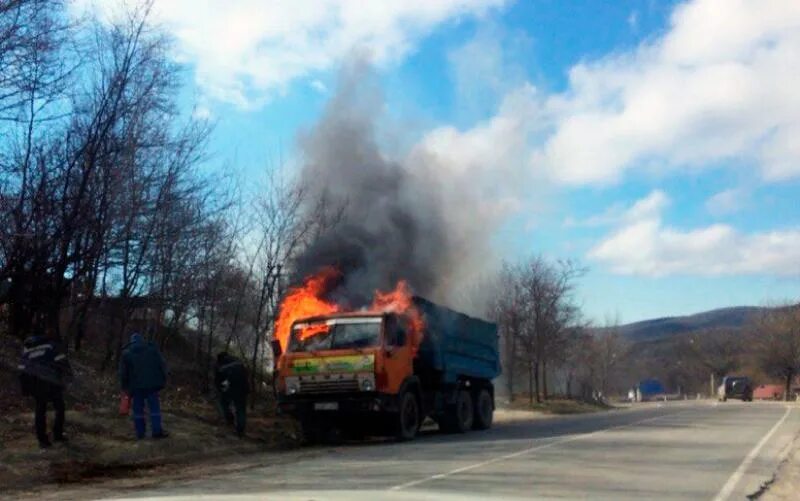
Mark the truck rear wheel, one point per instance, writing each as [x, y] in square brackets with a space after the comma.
[484, 411]
[408, 419]
[460, 417]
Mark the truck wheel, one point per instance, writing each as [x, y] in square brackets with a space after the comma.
[310, 433]
[484, 411]
[459, 418]
[408, 419]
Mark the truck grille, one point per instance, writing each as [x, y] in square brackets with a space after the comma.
[328, 386]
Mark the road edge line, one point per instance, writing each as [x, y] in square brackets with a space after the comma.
[737, 475]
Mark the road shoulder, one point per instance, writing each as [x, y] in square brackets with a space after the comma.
[786, 483]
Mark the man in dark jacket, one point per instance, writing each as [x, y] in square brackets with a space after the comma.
[142, 374]
[231, 381]
[44, 370]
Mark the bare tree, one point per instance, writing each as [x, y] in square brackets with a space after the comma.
[609, 353]
[507, 309]
[536, 310]
[777, 342]
[717, 351]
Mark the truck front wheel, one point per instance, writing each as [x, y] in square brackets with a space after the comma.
[484, 410]
[408, 420]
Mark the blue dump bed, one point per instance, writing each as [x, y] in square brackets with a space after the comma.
[456, 345]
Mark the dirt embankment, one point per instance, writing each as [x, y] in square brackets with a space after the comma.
[101, 442]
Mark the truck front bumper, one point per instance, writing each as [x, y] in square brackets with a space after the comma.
[365, 403]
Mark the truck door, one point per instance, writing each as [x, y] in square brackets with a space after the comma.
[397, 360]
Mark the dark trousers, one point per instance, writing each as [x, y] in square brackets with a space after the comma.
[239, 403]
[56, 396]
[138, 399]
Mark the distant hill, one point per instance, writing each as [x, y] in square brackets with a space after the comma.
[661, 328]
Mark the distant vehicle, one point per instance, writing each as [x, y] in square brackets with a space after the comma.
[769, 392]
[649, 389]
[735, 387]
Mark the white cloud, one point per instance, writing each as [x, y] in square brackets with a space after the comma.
[720, 85]
[202, 112]
[650, 207]
[726, 202]
[245, 50]
[644, 245]
[469, 160]
[499, 141]
[718, 88]
[612, 215]
[319, 86]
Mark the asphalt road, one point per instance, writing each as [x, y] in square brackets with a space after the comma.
[695, 450]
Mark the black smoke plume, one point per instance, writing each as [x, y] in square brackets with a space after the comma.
[392, 223]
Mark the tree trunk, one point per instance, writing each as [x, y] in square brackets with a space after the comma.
[544, 380]
[530, 383]
[253, 388]
[536, 382]
[511, 367]
[788, 390]
[569, 385]
[210, 346]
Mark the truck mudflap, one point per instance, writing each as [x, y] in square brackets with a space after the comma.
[300, 406]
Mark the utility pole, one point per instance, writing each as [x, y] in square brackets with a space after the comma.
[713, 387]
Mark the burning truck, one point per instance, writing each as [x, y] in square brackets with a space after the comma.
[382, 369]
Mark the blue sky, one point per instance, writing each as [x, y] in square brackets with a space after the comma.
[653, 141]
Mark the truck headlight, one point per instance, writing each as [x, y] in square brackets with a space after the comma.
[367, 382]
[292, 385]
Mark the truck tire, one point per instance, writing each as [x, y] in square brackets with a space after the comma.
[310, 432]
[408, 419]
[484, 411]
[460, 417]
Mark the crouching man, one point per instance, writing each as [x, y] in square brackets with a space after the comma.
[232, 387]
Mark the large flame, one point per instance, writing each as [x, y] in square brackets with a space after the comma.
[308, 300]
[304, 301]
[399, 301]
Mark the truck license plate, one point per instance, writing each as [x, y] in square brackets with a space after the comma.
[326, 406]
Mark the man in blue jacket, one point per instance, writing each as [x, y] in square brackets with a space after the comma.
[142, 374]
[44, 370]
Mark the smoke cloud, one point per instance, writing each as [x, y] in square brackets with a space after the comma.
[402, 217]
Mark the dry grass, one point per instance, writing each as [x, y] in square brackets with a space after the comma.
[102, 444]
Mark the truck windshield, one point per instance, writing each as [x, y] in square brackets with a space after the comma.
[336, 335]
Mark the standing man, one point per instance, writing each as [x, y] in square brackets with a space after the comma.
[231, 381]
[142, 374]
[44, 370]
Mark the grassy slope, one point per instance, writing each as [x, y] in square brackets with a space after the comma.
[101, 442]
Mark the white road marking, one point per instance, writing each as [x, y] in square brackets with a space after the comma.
[734, 479]
[570, 438]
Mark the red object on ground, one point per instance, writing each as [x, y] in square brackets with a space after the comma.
[768, 392]
[124, 404]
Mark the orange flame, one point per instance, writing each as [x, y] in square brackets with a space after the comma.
[307, 300]
[399, 301]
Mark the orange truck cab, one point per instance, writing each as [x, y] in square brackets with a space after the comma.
[363, 373]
